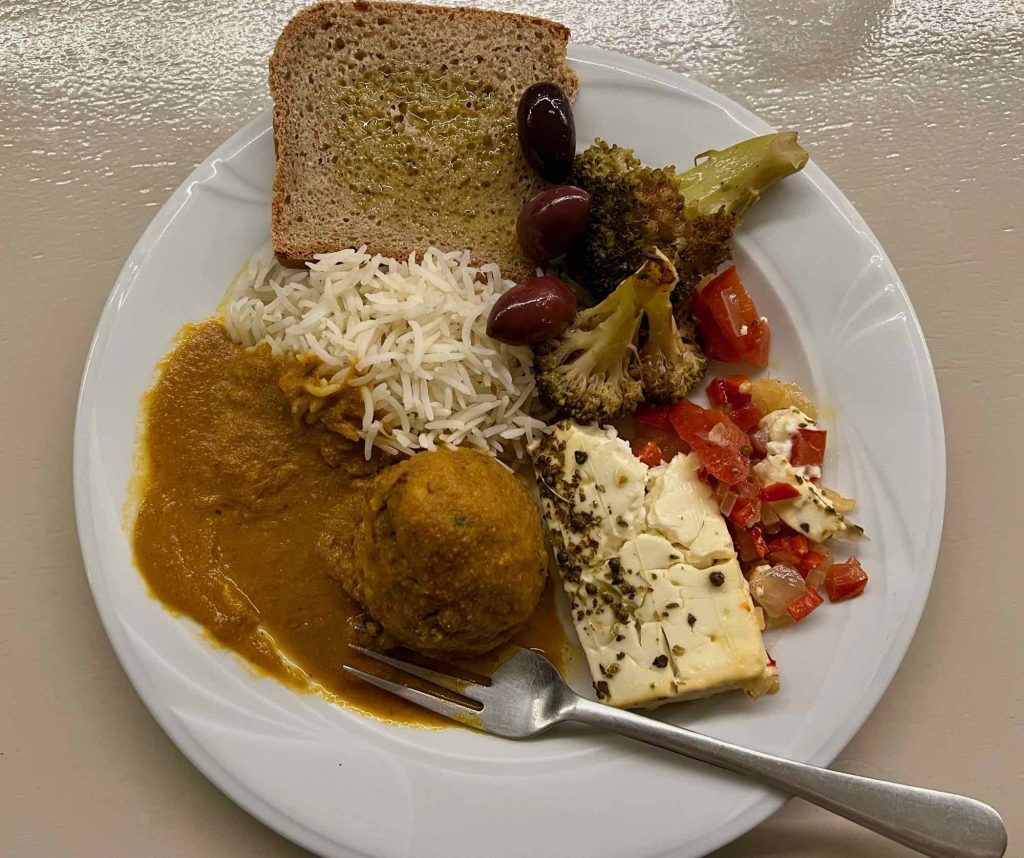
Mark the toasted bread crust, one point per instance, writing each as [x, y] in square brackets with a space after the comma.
[312, 211]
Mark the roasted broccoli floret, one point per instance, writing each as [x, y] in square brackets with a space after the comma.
[671, 362]
[593, 371]
[634, 207]
[690, 216]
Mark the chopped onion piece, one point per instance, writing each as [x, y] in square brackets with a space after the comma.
[719, 435]
[842, 504]
[769, 395]
[816, 577]
[726, 497]
[775, 588]
[769, 518]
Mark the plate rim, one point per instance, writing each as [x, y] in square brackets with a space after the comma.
[298, 832]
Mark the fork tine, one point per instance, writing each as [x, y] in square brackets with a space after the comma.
[440, 705]
[452, 683]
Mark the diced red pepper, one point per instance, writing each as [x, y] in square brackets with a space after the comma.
[809, 562]
[779, 492]
[803, 605]
[650, 454]
[808, 447]
[760, 546]
[654, 415]
[731, 390]
[745, 513]
[717, 441]
[794, 543]
[717, 392]
[845, 580]
[771, 661]
[812, 560]
[732, 395]
[794, 549]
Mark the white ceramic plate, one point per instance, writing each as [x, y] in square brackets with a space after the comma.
[343, 785]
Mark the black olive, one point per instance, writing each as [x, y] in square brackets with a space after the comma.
[547, 130]
[551, 220]
[534, 311]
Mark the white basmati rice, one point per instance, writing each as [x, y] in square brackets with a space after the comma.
[410, 334]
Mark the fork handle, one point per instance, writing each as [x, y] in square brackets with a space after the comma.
[938, 824]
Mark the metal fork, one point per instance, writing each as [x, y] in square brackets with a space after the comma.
[526, 696]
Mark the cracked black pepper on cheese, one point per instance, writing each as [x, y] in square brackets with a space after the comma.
[657, 595]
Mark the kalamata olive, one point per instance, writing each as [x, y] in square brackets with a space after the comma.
[551, 220]
[547, 131]
[534, 311]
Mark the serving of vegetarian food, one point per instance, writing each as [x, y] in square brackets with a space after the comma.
[485, 376]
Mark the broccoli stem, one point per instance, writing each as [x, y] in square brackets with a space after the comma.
[610, 340]
[733, 179]
[661, 326]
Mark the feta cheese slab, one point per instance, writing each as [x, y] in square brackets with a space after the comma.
[811, 513]
[682, 508]
[780, 427]
[604, 487]
[657, 595]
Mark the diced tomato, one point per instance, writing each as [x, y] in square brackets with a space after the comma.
[803, 605]
[730, 304]
[716, 344]
[729, 323]
[747, 417]
[845, 580]
[747, 509]
[669, 443]
[654, 415]
[808, 447]
[779, 492]
[759, 444]
[716, 440]
[650, 454]
[750, 544]
[759, 336]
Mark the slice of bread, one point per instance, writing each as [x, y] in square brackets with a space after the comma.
[395, 127]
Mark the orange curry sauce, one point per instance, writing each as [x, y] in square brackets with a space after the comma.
[235, 492]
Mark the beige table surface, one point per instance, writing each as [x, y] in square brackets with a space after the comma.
[914, 107]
